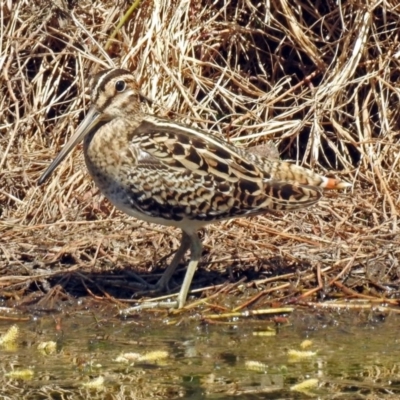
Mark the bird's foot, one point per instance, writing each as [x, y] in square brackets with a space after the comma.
[150, 289]
[167, 301]
[170, 304]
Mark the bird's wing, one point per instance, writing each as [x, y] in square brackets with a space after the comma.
[184, 148]
[186, 168]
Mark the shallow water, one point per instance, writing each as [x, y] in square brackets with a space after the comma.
[96, 354]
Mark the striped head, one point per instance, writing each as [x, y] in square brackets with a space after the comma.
[114, 94]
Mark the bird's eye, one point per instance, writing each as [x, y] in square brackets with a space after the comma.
[120, 86]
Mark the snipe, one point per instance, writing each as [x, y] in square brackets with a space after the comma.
[167, 173]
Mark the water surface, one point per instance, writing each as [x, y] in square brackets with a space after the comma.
[97, 354]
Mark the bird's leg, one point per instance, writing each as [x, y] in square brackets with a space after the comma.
[163, 282]
[188, 240]
[196, 249]
[167, 275]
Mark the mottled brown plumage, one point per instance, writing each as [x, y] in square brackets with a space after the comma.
[165, 172]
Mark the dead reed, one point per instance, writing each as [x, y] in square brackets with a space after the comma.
[318, 81]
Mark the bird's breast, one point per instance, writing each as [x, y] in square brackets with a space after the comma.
[108, 154]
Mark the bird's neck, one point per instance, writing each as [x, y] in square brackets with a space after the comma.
[106, 148]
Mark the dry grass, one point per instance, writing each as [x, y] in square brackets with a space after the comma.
[321, 82]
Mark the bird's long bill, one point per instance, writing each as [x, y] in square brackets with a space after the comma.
[90, 121]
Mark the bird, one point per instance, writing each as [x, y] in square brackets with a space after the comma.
[169, 173]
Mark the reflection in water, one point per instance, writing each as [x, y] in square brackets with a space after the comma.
[151, 357]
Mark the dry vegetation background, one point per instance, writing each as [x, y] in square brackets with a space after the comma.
[318, 79]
